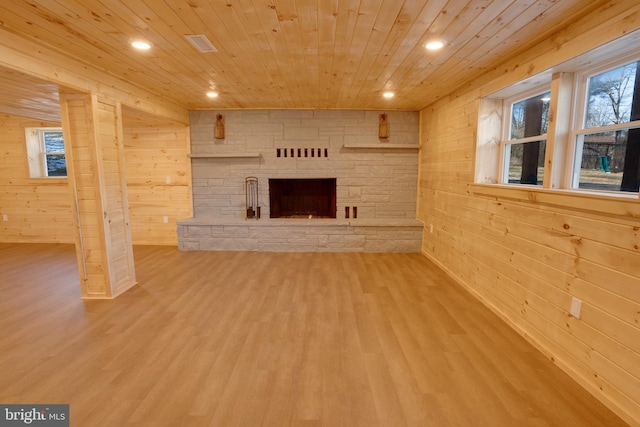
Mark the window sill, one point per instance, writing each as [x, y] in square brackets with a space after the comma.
[613, 204]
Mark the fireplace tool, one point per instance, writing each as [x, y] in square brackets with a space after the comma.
[251, 193]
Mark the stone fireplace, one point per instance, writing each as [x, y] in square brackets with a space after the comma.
[330, 162]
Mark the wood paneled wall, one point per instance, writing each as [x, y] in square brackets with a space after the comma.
[40, 211]
[158, 181]
[526, 260]
[37, 210]
[525, 254]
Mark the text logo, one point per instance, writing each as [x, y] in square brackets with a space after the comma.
[34, 415]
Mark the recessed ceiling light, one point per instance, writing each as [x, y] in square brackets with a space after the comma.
[388, 94]
[212, 94]
[435, 45]
[141, 45]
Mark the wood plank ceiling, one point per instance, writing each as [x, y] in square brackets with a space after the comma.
[324, 54]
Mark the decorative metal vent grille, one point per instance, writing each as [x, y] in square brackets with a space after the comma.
[202, 43]
[302, 152]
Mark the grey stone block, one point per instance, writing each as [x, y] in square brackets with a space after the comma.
[197, 231]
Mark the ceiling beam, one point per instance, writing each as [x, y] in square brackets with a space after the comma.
[22, 55]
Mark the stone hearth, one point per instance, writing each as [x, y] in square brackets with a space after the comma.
[300, 235]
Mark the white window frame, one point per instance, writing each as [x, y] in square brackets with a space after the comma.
[563, 139]
[37, 154]
[576, 137]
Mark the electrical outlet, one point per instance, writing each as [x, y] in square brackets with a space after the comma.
[576, 307]
[431, 228]
[168, 180]
[5, 217]
[165, 219]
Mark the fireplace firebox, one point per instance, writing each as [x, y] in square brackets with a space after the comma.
[302, 197]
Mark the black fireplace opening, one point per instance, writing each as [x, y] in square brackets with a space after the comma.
[302, 197]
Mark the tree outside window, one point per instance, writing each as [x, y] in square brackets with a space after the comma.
[524, 156]
[608, 153]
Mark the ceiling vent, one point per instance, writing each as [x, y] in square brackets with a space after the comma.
[202, 43]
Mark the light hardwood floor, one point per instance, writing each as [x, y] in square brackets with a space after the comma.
[272, 339]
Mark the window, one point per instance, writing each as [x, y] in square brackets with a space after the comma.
[607, 139]
[525, 143]
[45, 151]
[574, 126]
